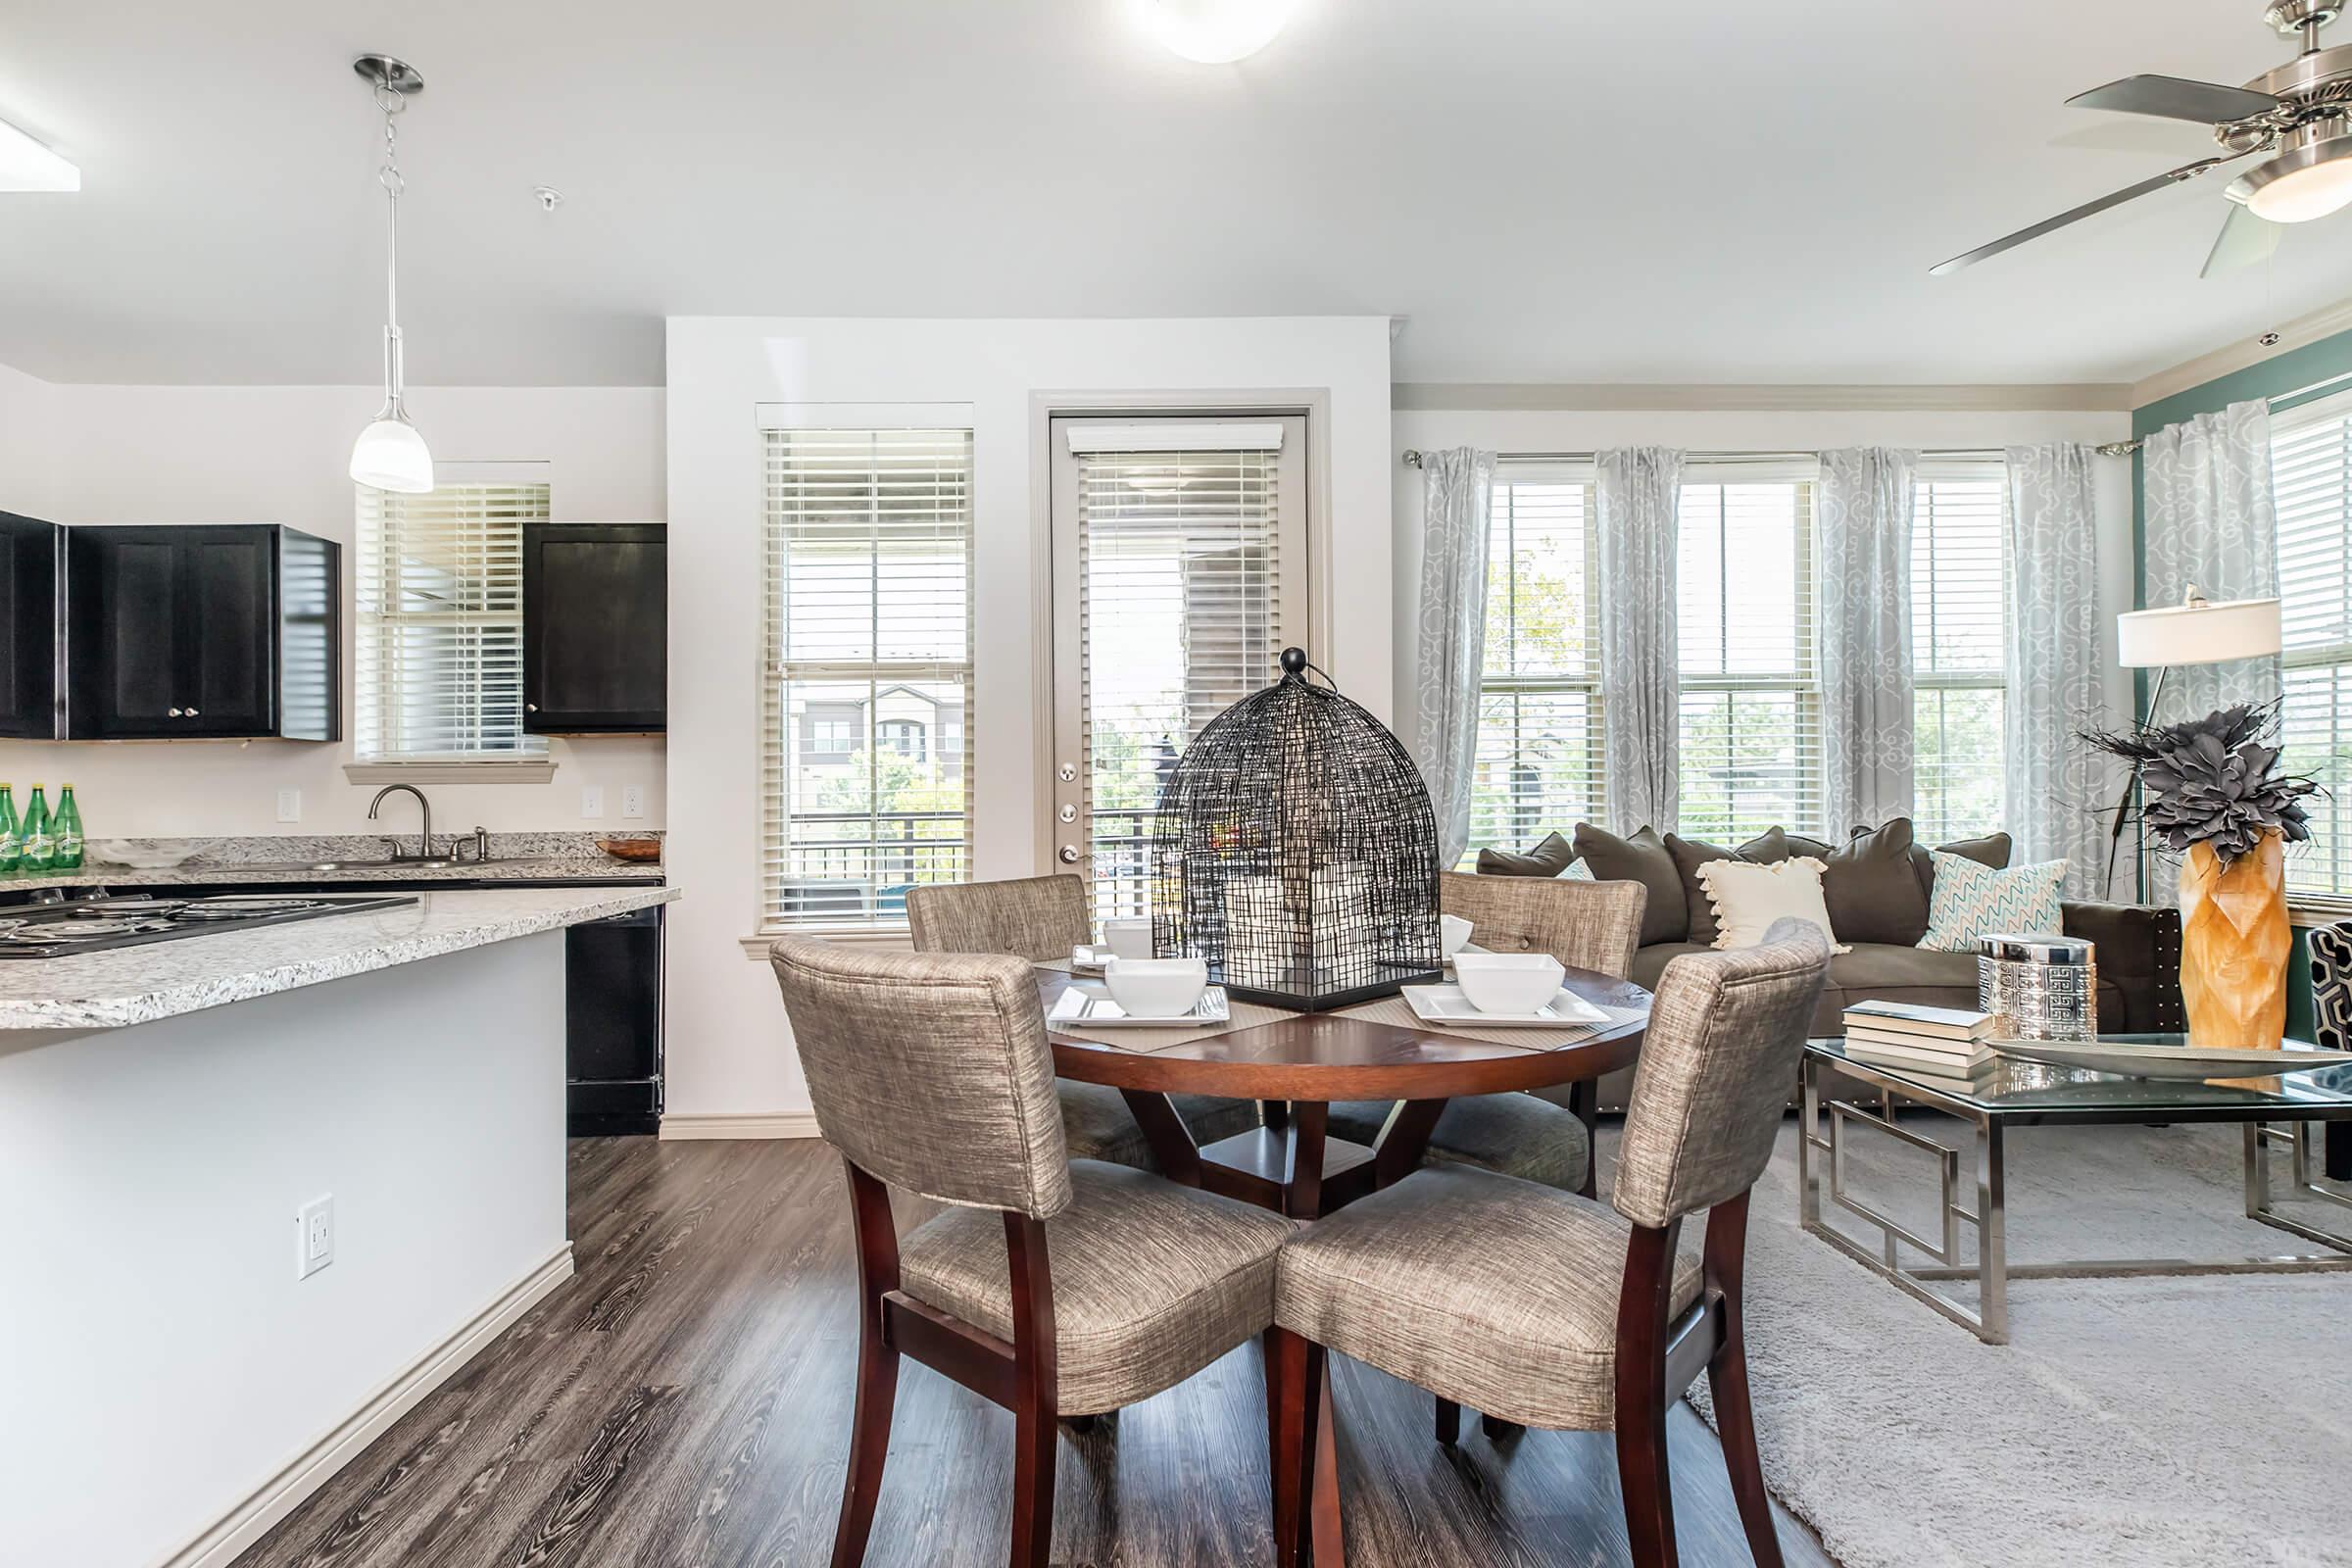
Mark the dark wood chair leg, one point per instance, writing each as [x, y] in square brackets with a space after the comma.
[877, 1366]
[1449, 1422]
[1291, 1409]
[1727, 1380]
[1034, 1388]
[1584, 1100]
[1642, 1471]
[1497, 1430]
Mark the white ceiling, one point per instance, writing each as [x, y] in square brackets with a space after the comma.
[1744, 191]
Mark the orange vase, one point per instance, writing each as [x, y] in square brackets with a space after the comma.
[2234, 946]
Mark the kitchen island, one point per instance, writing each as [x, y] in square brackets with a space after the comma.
[174, 1381]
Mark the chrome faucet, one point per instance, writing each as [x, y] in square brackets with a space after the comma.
[426, 853]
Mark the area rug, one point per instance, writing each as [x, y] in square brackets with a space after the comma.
[2158, 1422]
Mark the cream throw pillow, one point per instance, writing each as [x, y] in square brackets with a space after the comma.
[1748, 897]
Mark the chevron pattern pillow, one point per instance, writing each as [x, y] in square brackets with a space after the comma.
[1972, 899]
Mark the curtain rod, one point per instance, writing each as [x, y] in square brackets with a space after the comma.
[2124, 449]
[1412, 456]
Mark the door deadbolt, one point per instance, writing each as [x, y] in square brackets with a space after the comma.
[1069, 813]
[1067, 772]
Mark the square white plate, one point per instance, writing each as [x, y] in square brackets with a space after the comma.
[1085, 959]
[1075, 1006]
[1443, 1005]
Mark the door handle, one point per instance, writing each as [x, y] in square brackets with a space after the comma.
[1069, 855]
[174, 712]
[191, 713]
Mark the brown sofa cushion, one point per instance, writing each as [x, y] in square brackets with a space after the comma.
[1873, 888]
[1766, 849]
[1991, 850]
[1641, 858]
[1548, 858]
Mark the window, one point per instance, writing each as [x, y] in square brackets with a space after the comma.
[1539, 766]
[438, 652]
[1750, 697]
[868, 641]
[1958, 640]
[1180, 555]
[2311, 469]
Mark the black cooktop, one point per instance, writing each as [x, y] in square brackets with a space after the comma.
[99, 925]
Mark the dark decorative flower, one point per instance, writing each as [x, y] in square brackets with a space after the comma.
[2213, 780]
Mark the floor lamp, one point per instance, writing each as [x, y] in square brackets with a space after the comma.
[2195, 631]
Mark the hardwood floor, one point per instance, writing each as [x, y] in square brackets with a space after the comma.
[685, 1400]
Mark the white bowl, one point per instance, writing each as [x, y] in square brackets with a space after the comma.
[1128, 935]
[1157, 988]
[1508, 982]
[1452, 932]
[147, 855]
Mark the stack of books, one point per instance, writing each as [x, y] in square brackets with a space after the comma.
[1946, 1040]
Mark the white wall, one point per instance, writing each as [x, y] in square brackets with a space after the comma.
[728, 1050]
[207, 455]
[25, 447]
[1775, 431]
[152, 1323]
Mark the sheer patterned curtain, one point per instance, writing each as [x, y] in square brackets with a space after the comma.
[2058, 792]
[2210, 524]
[1458, 487]
[1639, 494]
[1862, 615]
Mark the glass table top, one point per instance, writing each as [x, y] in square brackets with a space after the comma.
[2012, 1083]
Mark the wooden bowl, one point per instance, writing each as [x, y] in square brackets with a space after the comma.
[640, 850]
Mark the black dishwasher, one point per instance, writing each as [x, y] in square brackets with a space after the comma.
[613, 1024]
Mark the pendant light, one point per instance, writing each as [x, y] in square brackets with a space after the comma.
[389, 454]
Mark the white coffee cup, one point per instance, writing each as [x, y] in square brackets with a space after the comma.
[1128, 936]
[1452, 932]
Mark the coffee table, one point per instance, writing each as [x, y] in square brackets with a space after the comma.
[2278, 1113]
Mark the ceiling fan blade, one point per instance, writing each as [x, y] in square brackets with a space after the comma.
[2176, 98]
[2075, 215]
[2244, 239]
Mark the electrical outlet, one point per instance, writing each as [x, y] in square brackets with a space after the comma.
[289, 805]
[632, 799]
[592, 799]
[315, 1236]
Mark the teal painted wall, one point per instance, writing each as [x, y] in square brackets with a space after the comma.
[2275, 377]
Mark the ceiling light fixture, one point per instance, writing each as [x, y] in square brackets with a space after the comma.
[2310, 178]
[26, 165]
[1215, 32]
[389, 454]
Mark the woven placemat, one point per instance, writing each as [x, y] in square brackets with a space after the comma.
[1397, 1011]
[1148, 1038]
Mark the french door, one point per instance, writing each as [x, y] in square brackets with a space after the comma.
[1179, 575]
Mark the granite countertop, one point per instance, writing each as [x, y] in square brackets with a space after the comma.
[286, 860]
[162, 979]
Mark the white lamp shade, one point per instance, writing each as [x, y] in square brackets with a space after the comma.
[391, 456]
[1215, 32]
[2198, 634]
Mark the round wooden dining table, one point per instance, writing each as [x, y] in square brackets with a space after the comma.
[1296, 1068]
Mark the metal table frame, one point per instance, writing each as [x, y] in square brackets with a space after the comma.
[2267, 1128]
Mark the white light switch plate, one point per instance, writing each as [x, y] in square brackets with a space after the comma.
[632, 799]
[289, 805]
[315, 1236]
[592, 799]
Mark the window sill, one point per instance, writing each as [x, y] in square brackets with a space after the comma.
[2318, 912]
[890, 939]
[538, 771]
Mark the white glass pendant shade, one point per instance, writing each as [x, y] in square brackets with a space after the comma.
[390, 454]
[1214, 32]
[2305, 193]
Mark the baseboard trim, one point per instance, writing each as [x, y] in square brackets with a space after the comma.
[739, 1124]
[313, 1468]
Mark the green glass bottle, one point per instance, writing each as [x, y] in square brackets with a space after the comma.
[12, 845]
[65, 828]
[40, 848]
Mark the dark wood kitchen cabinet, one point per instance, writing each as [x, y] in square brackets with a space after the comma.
[32, 558]
[595, 628]
[186, 633]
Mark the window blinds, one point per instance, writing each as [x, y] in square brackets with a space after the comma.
[1181, 609]
[1539, 761]
[865, 768]
[2311, 469]
[1751, 697]
[1958, 607]
[438, 649]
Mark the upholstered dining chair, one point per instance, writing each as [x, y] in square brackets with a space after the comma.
[1542, 1138]
[1052, 1285]
[1044, 917]
[1550, 1309]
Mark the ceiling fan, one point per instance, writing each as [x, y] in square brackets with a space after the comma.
[2297, 117]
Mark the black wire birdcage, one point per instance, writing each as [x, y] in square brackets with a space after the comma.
[1294, 849]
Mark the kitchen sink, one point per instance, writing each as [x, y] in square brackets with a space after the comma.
[439, 862]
